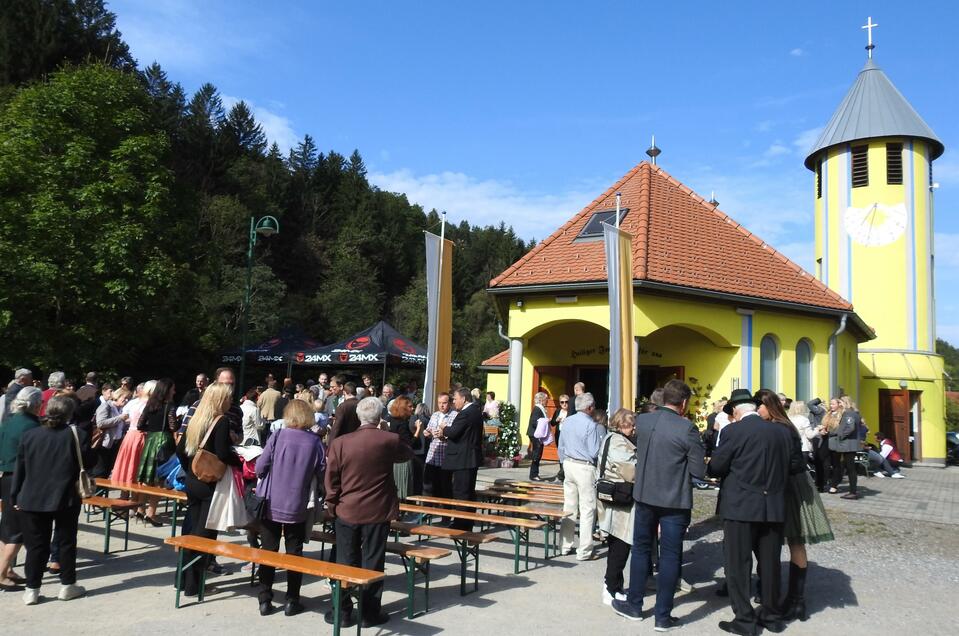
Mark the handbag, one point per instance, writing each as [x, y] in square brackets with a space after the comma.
[226, 508]
[616, 492]
[85, 484]
[206, 466]
[255, 499]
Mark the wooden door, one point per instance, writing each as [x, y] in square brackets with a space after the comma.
[553, 381]
[894, 419]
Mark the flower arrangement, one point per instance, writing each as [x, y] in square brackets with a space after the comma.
[699, 407]
[508, 441]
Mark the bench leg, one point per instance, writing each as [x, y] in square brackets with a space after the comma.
[516, 536]
[199, 596]
[426, 573]
[336, 606]
[174, 522]
[546, 530]
[358, 592]
[179, 577]
[126, 532]
[410, 566]
[106, 531]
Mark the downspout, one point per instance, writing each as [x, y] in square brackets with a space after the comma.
[834, 358]
[499, 329]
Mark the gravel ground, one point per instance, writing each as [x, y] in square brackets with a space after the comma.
[881, 574]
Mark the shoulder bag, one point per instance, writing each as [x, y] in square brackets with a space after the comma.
[85, 484]
[206, 466]
[615, 492]
[255, 499]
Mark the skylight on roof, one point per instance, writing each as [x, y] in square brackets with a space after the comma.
[594, 227]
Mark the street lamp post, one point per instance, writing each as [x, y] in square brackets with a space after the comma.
[266, 226]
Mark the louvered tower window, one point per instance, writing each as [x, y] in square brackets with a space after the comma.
[860, 166]
[819, 179]
[894, 164]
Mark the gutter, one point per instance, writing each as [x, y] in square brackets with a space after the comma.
[834, 358]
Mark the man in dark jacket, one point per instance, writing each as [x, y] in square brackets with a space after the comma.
[361, 497]
[669, 455]
[464, 450]
[753, 460]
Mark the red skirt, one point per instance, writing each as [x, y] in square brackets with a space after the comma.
[128, 457]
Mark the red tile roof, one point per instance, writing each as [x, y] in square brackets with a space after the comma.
[678, 238]
[501, 359]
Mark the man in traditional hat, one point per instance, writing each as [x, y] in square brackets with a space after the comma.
[752, 459]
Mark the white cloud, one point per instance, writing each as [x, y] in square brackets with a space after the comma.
[487, 202]
[797, 52]
[776, 149]
[276, 127]
[805, 139]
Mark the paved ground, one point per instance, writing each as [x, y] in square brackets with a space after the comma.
[894, 566]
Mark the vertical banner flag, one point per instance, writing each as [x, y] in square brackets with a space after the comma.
[619, 271]
[439, 305]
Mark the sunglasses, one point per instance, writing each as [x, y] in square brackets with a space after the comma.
[564, 401]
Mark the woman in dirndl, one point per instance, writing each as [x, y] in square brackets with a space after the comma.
[128, 457]
[806, 521]
[157, 423]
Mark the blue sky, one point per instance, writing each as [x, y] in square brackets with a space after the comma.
[523, 112]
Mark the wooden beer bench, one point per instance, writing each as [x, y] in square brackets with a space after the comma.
[415, 559]
[520, 496]
[532, 485]
[549, 515]
[519, 528]
[467, 545]
[175, 496]
[342, 577]
[113, 510]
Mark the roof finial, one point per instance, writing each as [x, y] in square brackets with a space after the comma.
[869, 26]
[653, 151]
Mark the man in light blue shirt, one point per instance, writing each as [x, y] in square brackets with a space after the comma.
[579, 446]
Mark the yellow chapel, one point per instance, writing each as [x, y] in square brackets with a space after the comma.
[717, 306]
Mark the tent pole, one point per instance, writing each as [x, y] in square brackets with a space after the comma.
[383, 383]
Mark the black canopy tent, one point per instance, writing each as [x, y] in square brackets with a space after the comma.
[281, 348]
[380, 344]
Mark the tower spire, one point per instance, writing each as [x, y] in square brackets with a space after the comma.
[869, 26]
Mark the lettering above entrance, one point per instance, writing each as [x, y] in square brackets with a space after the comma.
[603, 349]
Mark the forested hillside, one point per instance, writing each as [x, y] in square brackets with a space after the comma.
[125, 206]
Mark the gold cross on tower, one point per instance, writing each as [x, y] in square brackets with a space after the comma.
[869, 26]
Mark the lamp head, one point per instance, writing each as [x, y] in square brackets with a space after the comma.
[267, 226]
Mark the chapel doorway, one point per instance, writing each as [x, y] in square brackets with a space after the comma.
[899, 419]
[553, 381]
[652, 377]
[596, 380]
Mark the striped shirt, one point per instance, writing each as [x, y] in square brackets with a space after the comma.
[437, 451]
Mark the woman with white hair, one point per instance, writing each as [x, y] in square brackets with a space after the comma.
[24, 416]
[536, 444]
[56, 381]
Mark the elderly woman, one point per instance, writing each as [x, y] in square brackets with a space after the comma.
[44, 492]
[23, 417]
[536, 444]
[618, 464]
[290, 471]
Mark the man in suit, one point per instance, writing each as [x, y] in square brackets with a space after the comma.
[536, 445]
[361, 497]
[669, 456]
[464, 450]
[753, 460]
[345, 419]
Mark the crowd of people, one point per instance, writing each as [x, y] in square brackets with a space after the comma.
[295, 452]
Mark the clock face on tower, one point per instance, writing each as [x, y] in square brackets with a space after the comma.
[876, 224]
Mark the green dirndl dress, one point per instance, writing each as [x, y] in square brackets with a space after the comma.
[159, 443]
[806, 521]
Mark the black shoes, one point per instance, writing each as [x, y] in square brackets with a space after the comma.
[292, 608]
[376, 619]
[346, 618]
[775, 627]
[626, 610]
[669, 624]
[733, 628]
[266, 608]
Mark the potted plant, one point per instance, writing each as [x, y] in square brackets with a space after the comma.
[507, 450]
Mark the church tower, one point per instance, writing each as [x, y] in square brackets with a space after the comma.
[875, 247]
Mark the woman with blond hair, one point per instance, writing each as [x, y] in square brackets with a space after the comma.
[616, 520]
[208, 429]
[289, 470]
[842, 424]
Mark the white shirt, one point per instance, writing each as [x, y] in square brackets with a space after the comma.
[252, 421]
[806, 431]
